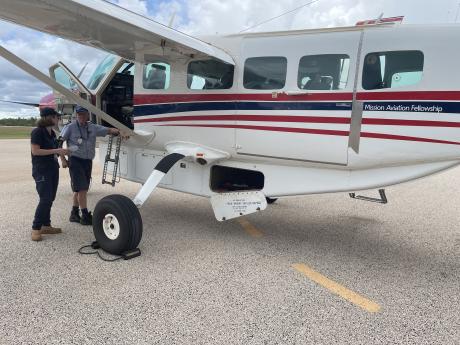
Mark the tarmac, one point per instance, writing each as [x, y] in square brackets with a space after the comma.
[321, 269]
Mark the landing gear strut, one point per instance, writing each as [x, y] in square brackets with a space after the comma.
[117, 223]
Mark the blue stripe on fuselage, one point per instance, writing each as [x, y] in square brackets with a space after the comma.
[412, 107]
[158, 109]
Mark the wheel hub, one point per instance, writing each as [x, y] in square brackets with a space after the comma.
[111, 227]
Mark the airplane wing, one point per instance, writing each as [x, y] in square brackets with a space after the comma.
[106, 26]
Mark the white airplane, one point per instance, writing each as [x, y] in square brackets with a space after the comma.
[255, 115]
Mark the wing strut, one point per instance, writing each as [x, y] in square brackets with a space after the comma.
[26, 67]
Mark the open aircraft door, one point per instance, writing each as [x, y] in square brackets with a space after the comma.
[92, 91]
[61, 74]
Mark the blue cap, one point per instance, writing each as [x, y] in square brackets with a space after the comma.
[80, 109]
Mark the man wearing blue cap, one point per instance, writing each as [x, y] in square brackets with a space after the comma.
[81, 141]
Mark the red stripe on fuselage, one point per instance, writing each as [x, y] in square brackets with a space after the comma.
[312, 97]
[263, 118]
[271, 129]
[301, 119]
[320, 132]
[224, 97]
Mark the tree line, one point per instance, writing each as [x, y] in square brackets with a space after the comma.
[19, 121]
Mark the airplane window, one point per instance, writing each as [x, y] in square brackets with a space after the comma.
[64, 79]
[265, 73]
[323, 72]
[384, 70]
[101, 71]
[209, 75]
[157, 76]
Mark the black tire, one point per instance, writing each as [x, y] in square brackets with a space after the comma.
[129, 220]
[271, 200]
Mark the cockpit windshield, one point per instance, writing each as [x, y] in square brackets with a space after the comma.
[101, 71]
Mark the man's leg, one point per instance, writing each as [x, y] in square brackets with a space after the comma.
[86, 217]
[75, 214]
[75, 200]
[75, 173]
[83, 199]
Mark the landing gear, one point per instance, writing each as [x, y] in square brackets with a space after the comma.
[271, 200]
[117, 224]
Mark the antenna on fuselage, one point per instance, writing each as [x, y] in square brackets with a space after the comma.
[458, 13]
[82, 70]
[171, 21]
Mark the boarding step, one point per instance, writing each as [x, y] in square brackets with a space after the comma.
[112, 156]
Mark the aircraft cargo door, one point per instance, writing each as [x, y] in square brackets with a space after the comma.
[297, 96]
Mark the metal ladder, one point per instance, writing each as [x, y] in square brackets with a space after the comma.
[115, 160]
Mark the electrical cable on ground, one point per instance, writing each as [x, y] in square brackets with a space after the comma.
[96, 252]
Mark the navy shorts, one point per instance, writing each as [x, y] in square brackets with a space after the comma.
[80, 173]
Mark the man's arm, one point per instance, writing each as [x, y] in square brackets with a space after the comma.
[114, 131]
[102, 131]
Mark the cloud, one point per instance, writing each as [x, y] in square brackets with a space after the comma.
[41, 51]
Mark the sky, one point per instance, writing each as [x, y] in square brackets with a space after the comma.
[197, 17]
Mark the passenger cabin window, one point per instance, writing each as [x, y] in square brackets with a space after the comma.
[265, 73]
[393, 69]
[323, 72]
[157, 76]
[209, 75]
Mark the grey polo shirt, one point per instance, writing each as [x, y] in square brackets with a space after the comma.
[83, 137]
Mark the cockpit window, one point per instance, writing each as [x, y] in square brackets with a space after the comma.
[101, 71]
[157, 76]
[209, 75]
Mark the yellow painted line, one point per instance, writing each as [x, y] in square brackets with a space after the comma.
[338, 289]
[250, 229]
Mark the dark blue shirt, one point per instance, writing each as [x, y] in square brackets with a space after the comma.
[40, 136]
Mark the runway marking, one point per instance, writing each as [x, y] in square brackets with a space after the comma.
[250, 229]
[338, 289]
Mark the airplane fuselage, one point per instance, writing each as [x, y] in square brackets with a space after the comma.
[384, 110]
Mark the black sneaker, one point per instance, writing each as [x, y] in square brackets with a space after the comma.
[74, 217]
[86, 219]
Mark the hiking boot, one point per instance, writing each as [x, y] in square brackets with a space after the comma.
[49, 230]
[36, 235]
[74, 217]
[86, 219]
